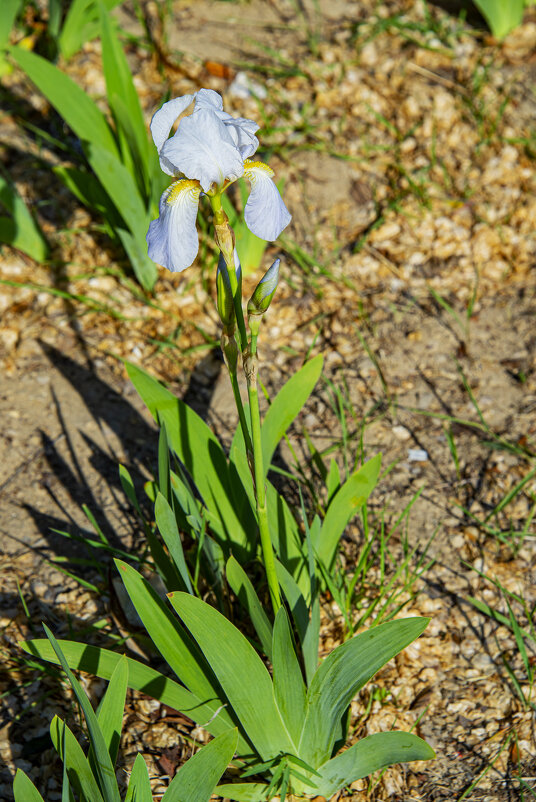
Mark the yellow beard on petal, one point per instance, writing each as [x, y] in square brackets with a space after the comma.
[184, 185]
[251, 165]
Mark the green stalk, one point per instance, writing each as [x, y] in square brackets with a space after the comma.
[249, 359]
[260, 489]
[241, 413]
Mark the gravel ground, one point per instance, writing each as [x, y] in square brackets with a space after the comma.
[406, 143]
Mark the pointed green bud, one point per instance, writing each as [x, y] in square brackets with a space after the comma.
[224, 293]
[264, 291]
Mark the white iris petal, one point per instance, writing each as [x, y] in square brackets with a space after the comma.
[243, 131]
[266, 215]
[172, 239]
[163, 119]
[202, 148]
[208, 99]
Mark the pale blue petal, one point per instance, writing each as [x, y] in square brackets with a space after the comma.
[163, 119]
[172, 239]
[265, 214]
[243, 131]
[208, 99]
[202, 148]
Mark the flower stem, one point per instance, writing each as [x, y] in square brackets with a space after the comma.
[241, 413]
[260, 489]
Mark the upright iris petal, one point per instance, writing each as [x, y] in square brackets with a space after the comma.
[162, 123]
[203, 148]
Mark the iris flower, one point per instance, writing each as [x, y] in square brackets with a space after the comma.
[209, 150]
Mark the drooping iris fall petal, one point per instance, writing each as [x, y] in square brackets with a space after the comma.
[265, 214]
[172, 238]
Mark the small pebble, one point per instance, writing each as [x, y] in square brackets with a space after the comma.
[417, 455]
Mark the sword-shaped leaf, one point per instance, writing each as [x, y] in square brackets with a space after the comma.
[102, 662]
[241, 673]
[139, 786]
[76, 764]
[344, 503]
[24, 790]
[111, 709]
[342, 674]
[242, 587]
[201, 454]
[196, 780]
[104, 770]
[286, 406]
[367, 756]
[289, 687]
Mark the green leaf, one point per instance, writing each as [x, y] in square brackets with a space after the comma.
[103, 767]
[202, 456]
[144, 268]
[232, 659]
[70, 101]
[243, 589]
[78, 769]
[122, 94]
[310, 643]
[111, 709]
[196, 780]
[286, 537]
[333, 481]
[342, 674]
[353, 494]
[295, 599]
[20, 230]
[164, 477]
[174, 643]
[139, 786]
[289, 687]
[367, 756]
[121, 187]
[24, 790]
[128, 488]
[88, 190]
[243, 792]
[8, 14]
[164, 566]
[102, 662]
[167, 525]
[286, 405]
[501, 15]
[81, 25]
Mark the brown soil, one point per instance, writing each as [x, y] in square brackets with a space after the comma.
[408, 160]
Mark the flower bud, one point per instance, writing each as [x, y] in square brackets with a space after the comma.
[225, 301]
[264, 291]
